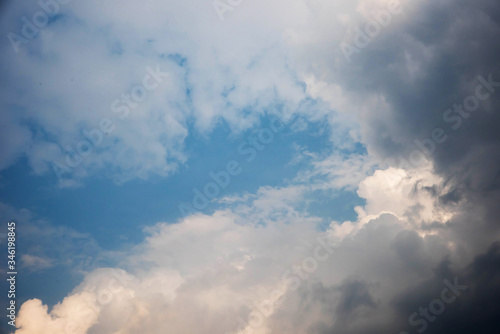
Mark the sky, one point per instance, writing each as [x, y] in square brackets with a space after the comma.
[239, 167]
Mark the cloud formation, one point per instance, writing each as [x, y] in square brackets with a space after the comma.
[237, 271]
[412, 122]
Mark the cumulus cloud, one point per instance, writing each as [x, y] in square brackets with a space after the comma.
[74, 315]
[429, 177]
[215, 72]
[239, 272]
[419, 73]
[398, 87]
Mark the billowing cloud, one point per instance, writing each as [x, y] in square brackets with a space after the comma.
[238, 272]
[408, 93]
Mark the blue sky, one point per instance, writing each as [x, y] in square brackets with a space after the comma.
[159, 198]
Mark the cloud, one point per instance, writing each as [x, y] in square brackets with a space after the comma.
[215, 73]
[404, 85]
[420, 225]
[76, 314]
[237, 270]
[35, 263]
[36, 251]
[397, 88]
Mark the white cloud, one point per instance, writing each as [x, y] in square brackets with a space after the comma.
[259, 57]
[208, 273]
[35, 263]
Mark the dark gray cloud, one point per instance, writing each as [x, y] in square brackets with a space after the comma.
[471, 308]
[422, 66]
[354, 295]
[475, 310]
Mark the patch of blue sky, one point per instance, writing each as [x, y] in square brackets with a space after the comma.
[116, 214]
[333, 205]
